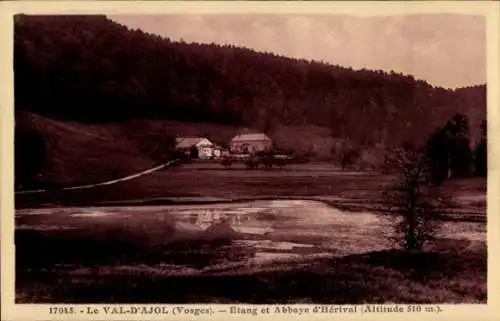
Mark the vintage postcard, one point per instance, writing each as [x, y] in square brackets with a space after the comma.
[206, 160]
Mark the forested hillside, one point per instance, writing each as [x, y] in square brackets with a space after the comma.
[91, 70]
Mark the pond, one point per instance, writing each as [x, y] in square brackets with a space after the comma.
[256, 232]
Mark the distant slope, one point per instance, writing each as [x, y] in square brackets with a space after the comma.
[105, 97]
[79, 153]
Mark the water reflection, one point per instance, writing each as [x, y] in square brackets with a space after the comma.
[237, 221]
[204, 235]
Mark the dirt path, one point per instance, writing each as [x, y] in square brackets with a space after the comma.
[105, 183]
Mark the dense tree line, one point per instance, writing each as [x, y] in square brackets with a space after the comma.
[91, 69]
[449, 151]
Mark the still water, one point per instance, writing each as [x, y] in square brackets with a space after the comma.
[260, 231]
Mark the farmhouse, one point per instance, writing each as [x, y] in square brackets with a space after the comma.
[196, 147]
[250, 143]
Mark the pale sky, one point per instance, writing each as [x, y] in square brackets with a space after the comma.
[445, 50]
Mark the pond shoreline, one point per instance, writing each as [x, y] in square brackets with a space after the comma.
[344, 204]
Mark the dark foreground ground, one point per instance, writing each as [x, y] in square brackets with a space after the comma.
[98, 264]
[451, 274]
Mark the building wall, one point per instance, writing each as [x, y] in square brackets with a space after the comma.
[246, 147]
[205, 152]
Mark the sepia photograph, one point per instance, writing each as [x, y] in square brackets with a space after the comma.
[250, 158]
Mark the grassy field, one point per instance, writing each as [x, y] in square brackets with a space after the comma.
[211, 180]
[350, 190]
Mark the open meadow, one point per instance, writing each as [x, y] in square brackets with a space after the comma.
[206, 181]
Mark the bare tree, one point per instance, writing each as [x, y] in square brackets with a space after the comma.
[413, 199]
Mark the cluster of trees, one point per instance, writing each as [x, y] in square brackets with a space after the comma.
[449, 151]
[91, 69]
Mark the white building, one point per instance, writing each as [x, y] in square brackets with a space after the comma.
[204, 147]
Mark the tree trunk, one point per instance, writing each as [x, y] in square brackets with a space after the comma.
[411, 237]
